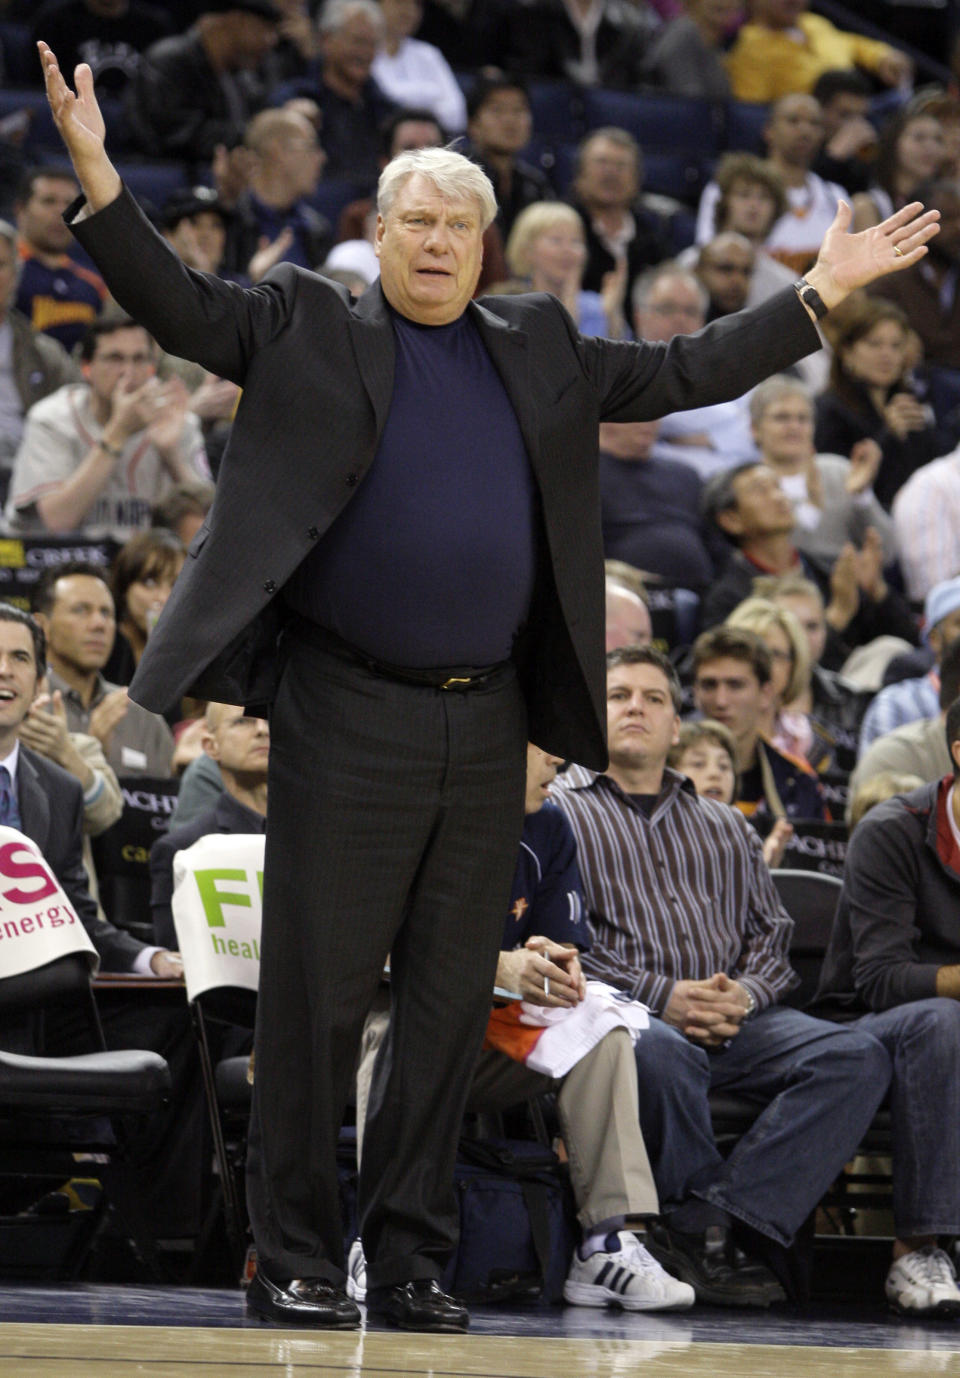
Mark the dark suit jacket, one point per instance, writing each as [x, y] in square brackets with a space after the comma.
[317, 374]
[51, 814]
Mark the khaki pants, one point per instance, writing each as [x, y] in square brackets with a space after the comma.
[597, 1104]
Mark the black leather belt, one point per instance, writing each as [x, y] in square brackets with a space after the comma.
[459, 679]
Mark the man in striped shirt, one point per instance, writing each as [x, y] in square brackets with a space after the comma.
[686, 919]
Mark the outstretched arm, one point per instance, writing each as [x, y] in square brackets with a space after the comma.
[80, 124]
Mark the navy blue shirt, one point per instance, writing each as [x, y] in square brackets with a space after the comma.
[432, 562]
[547, 895]
[651, 518]
[271, 222]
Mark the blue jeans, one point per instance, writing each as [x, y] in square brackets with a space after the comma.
[923, 1040]
[820, 1084]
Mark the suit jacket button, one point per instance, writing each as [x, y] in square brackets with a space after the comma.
[270, 586]
[352, 480]
[313, 533]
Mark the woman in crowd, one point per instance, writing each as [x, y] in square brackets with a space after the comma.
[831, 702]
[872, 395]
[142, 578]
[832, 497]
[912, 149]
[547, 252]
[790, 730]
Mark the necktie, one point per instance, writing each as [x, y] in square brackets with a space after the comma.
[9, 812]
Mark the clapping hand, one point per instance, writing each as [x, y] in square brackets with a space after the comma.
[171, 402]
[269, 254]
[108, 712]
[45, 729]
[865, 458]
[903, 414]
[870, 565]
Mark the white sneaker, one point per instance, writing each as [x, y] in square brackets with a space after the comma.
[356, 1272]
[628, 1277]
[923, 1283]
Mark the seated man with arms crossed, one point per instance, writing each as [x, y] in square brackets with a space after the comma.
[686, 919]
[597, 1101]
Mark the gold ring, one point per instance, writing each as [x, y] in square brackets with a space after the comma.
[898, 251]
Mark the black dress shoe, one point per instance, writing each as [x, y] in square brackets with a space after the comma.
[304, 1301]
[419, 1305]
[719, 1273]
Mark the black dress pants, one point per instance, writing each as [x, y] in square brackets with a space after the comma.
[394, 822]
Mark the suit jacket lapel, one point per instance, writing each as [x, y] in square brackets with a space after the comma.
[507, 347]
[33, 802]
[373, 343]
[372, 336]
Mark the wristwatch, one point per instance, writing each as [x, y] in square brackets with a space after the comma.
[751, 1003]
[811, 297]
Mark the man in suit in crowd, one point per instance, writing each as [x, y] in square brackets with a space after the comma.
[45, 803]
[418, 655]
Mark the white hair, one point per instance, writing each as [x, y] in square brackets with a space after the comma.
[336, 13]
[768, 393]
[451, 173]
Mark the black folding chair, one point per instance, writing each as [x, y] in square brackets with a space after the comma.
[121, 855]
[55, 1108]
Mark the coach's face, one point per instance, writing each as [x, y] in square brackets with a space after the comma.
[430, 248]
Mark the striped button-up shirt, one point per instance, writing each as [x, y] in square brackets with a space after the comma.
[908, 700]
[677, 896]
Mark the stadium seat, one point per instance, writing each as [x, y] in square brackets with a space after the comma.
[558, 111]
[744, 127]
[660, 124]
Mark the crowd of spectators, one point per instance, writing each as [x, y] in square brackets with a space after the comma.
[793, 555]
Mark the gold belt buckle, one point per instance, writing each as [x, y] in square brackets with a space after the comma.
[449, 683]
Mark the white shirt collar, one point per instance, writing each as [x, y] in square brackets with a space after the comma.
[11, 762]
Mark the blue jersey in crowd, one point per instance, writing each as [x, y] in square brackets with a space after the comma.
[547, 896]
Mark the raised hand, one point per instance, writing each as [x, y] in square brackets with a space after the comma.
[903, 414]
[269, 253]
[171, 403]
[80, 124]
[108, 712]
[846, 261]
[865, 457]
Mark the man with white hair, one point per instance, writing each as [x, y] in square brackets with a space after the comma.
[353, 107]
[667, 301]
[628, 617]
[410, 496]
